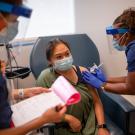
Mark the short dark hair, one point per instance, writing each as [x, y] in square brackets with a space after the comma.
[51, 46]
[127, 19]
[117, 20]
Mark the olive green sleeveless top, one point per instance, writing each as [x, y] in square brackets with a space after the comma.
[84, 110]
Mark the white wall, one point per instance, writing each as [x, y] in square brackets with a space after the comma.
[92, 17]
[51, 17]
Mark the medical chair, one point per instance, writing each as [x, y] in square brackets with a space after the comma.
[120, 114]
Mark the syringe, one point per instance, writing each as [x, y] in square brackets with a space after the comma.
[92, 69]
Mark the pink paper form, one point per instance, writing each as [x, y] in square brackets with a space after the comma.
[66, 91]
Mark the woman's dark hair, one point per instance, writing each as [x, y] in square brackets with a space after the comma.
[13, 2]
[51, 46]
[127, 20]
[117, 20]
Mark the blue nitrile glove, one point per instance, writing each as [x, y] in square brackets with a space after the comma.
[100, 74]
[90, 79]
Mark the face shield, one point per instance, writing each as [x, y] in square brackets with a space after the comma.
[113, 37]
[14, 22]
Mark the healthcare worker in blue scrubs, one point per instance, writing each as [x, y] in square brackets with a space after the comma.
[123, 33]
[10, 12]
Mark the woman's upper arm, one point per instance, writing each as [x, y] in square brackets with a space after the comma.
[92, 90]
[131, 82]
[94, 94]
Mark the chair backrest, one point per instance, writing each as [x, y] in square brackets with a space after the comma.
[83, 50]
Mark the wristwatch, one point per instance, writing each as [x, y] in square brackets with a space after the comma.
[102, 126]
[21, 93]
[103, 86]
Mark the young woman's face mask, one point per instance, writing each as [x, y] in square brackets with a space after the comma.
[63, 64]
[61, 59]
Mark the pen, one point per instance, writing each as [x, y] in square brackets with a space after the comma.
[59, 107]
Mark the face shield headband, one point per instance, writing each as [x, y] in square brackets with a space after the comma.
[16, 10]
[113, 31]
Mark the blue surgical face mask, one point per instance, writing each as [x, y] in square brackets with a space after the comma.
[63, 64]
[116, 44]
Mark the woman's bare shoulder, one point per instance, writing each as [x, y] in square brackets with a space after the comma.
[83, 68]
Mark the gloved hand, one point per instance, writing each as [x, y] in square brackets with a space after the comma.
[100, 74]
[90, 79]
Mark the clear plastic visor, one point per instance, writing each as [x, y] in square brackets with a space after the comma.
[14, 21]
[112, 34]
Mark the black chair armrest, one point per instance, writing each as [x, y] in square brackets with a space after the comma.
[120, 111]
[113, 128]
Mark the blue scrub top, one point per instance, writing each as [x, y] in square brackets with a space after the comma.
[130, 54]
[5, 110]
